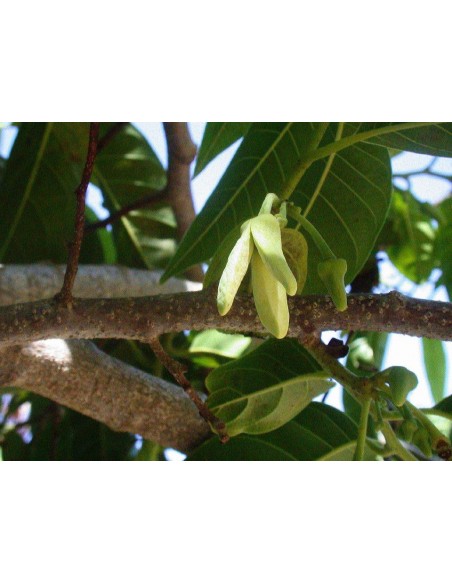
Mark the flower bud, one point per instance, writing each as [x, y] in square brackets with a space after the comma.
[332, 272]
[401, 381]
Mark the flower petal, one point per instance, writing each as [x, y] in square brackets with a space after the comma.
[270, 298]
[235, 271]
[266, 233]
[295, 249]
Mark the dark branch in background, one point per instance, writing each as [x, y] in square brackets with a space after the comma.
[108, 136]
[65, 296]
[143, 318]
[181, 153]
[178, 371]
[152, 199]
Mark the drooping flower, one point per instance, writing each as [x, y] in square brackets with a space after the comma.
[271, 278]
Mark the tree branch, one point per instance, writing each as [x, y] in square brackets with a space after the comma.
[65, 296]
[27, 283]
[146, 317]
[181, 153]
[78, 375]
[149, 200]
[110, 134]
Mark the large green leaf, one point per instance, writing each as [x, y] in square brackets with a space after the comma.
[435, 367]
[265, 388]
[349, 212]
[434, 139]
[318, 432]
[37, 193]
[261, 165]
[217, 137]
[413, 254]
[351, 208]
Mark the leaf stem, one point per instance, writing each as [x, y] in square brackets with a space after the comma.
[325, 172]
[334, 147]
[304, 163]
[394, 444]
[362, 429]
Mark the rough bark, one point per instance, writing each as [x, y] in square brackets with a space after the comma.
[181, 153]
[78, 375]
[26, 283]
[147, 317]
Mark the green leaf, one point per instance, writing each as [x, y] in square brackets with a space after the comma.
[217, 137]
[345, 453]
[217, 343]
[20, 178]
[37, 194]
[434, 139]
[272, 362]
[413, 255]
[261, 165]
[443, 244]
[318, 431]
[350, 210]
[127, 170]
[270, 408]
[265, 387]
[435, 367]
[104, 238]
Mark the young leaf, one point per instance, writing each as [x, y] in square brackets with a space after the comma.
[217, 137]
[269, 408]
[218, 343]
[435, 367]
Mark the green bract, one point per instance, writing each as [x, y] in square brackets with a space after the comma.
[332, 272]
[260, 245]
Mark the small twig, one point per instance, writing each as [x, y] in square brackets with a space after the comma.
[178, 371]
[149, 200]
[65, 296]
[110, 134]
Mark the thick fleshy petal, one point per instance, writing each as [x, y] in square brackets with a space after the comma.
[270, 298]
[266, 234]
[295, 249]
[235, 271]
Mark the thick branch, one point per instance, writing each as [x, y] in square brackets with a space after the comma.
[142, 318]
[78, 375]
[26, 283]
[181, 153]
